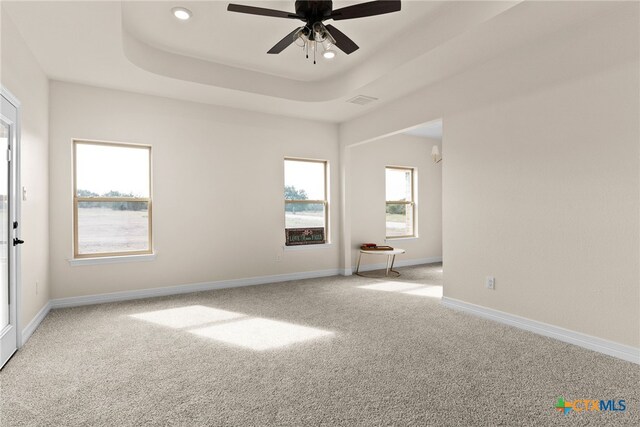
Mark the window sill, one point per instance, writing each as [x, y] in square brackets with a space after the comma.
[393, 239]
[306, 247]
[112, 259]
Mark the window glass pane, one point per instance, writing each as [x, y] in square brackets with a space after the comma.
[399, 220]
[301, 215]
[113, 227]
[398, 184]
[112, 171]
[304, 180]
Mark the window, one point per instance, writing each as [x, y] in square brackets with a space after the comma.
[401, 207]
[305, 199]
[112, 199]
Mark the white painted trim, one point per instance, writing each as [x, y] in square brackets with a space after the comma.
[621, 351]
[346, 272]
[184, 289]
[395, 239]
[111, 259]
[26, 333]
[10, 97]
[15, 214]
[296, 248]
[399, 263]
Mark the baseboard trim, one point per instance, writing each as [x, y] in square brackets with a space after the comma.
[621, 351]
[399, 263]
[33, 325]
[187, 288]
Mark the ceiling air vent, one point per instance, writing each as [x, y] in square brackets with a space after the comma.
[362, 100]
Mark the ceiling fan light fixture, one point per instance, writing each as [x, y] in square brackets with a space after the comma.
[182, 13]
[299, 38]
[329, 54]
[319, 33]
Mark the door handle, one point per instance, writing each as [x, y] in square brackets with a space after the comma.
[17, 241]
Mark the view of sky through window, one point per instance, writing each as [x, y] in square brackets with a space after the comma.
[307, 176]
[101, 169]
[398, 184]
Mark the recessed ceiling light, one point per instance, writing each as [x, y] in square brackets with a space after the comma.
[329, 54]
[181, 13]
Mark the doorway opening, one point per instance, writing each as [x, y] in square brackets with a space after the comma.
[9, 223]
[395, 197]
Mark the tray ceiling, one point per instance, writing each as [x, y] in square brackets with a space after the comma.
[220, 58]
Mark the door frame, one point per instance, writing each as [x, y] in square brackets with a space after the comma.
[15, 212]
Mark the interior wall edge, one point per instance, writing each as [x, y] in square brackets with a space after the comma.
[600, 345]
[27, 331]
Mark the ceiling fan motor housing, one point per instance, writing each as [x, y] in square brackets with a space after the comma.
[314, 10]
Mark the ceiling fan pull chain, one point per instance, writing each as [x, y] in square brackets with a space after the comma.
[315, 47]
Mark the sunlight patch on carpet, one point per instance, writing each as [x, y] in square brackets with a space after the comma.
[391, 286]
[426, 291]
[185, 317]
[260, 334]
[406, 288]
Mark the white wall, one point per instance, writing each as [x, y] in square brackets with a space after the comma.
[367, 180]
[218, 210]
[541, 177]
[22, 76]
[542, 192]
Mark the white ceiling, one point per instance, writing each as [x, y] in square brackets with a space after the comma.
[242, 40]
[431, 130]
[219, 57]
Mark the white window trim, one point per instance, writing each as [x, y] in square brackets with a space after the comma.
[387, 239]
[74, 262]
[76, 256]
[296, 248]
[327, 214]
[413, 203]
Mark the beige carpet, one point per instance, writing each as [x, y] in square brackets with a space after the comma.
[333, 351]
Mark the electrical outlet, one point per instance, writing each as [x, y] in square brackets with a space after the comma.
[491, 283]
[278, 257]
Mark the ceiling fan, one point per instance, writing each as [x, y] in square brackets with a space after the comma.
[314, 32]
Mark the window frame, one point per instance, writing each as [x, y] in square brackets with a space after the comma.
[411, 202]
[324, 202]
[77, 200]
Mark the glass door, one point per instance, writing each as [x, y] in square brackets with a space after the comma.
[8, 313]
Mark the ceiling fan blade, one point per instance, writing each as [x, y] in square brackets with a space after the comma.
[251, 10]
[362, 10]
[343, 42]
[285, 42]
